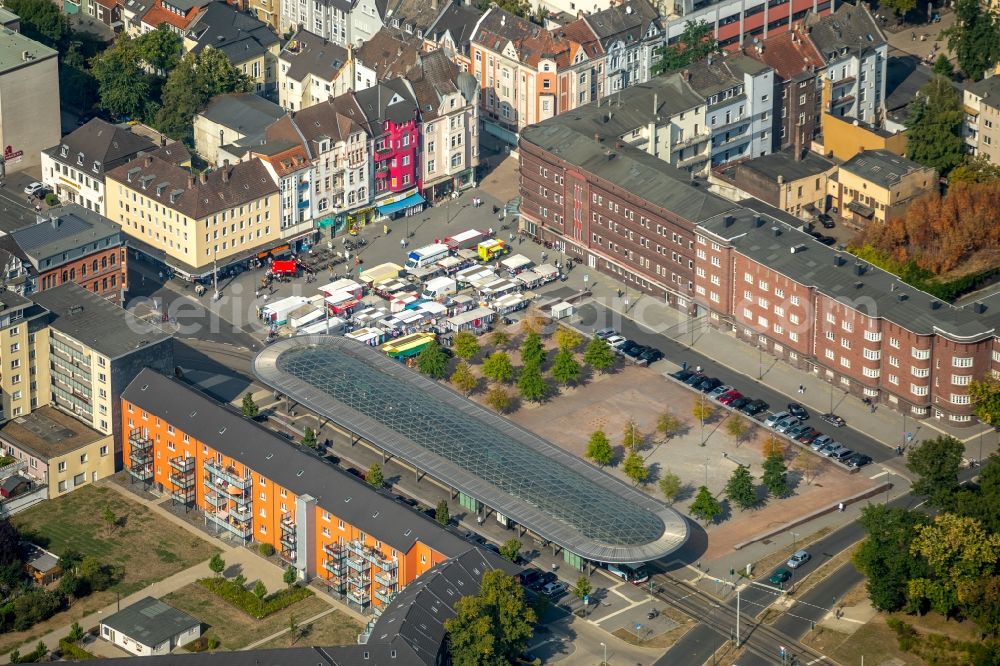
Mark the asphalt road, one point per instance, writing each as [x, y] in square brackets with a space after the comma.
[677, 352]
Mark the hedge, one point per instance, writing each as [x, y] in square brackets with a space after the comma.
[74, 651]
[245, 600]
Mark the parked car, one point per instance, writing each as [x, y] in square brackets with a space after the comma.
[827, 240]
[773, 419]
[695, 379]
[408, 501]
[826, 221]
[798, 559]
[628, 347]
[780, 576]
[554, 590]
[843, 454]
[635, 351]
[682, 375]
[529, 576]
[605, 333]
[729, 397]
[34, 189]
[708, 385]
[834, 451]
[356, 472]
[808, 435]
[754, 408]
[834, 420]
[739, 403]
[786, 424]
[858, 460]
[720, 391]
[616, 341]
[795, 431]
[492, 546]
[651, 355]
[819, 442]
[543, 580]
[798, 411]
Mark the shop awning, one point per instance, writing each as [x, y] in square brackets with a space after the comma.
[861, 209]
[412, 200]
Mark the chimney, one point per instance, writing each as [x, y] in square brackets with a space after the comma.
[55, 221]
[190, 180]
[203, 178]
[859, 268]
[686, 75]
[776, 231]
[434, 4]
[838, 261]
[728, 220]
[656, 102]
[758, 221]
[797, 144]
[225, 171]
[148, 161]
[781, 179]
[597, 138]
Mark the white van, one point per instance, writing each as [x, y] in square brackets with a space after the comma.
[439, 288]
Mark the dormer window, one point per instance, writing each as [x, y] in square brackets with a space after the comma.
[97, 167]
[63, 150]
[79, 159]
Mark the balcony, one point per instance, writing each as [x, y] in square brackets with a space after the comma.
[183, 495]
[335, 567]
[336, 583]
[359, 596]
[141, 472]
[183, 464]
[385, 596]
[359, 564]
[213, 498]
[235, 528]
[241, 515]
[842, 101]
[386, 578]
[383, 151]
[742, 120]
[287, 539]
[359, 581]
[182, 480]
[690, 141]
[732, 140]
[228, 474]
[382, 172]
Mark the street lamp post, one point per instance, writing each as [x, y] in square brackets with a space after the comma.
[605, 662]
[760, 362]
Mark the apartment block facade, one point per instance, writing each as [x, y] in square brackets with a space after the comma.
[876, 186]
[328, 525]
[737, 22]
[29, 101]
[981, 101]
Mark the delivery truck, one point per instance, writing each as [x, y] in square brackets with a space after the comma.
[492, 248]
[438, 288]
[427, 255]
[465, 240]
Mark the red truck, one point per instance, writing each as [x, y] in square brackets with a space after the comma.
[287, 267]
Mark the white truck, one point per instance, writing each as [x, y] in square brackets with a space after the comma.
[427, 255]
[440, 287]
[465, 240]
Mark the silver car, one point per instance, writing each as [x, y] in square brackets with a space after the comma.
[786, 424]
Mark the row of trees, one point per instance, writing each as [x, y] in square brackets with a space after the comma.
[949, 563]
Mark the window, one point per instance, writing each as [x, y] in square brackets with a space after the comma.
[844, 361]
[961, 380]
[893, 379]
[921, 354]
[873, 336]
[104, 450]
[871, 372]
[873, 354]
[795, 300]
[62, 486]
[894, 343]
[920, 372]
[960, 399]
[62, 466]
[962, 362]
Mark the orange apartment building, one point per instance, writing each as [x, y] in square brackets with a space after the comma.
[256, 487]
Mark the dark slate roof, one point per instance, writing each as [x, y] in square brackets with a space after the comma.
[344, 655]
[390, 100]
[69, 230]
[875, 292]
[628, 22]
[458, 20]
[99, 142]
[717, 73]
[223, 27]
[987, 89]
[784, 164]
[412, 15]
[434, 77]
[390, 53]
[150, 621]
[849, 27]
[881, 167]
[570, 136]
[268, 454]
[247, 113]
[416, 616]
[309, 54]
[171, 185]
[97, 322]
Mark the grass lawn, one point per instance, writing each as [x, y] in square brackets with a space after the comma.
[234, 628]
[149, 547]
[334, 629]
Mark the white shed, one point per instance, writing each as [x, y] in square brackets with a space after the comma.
[562, 310]
[150, 627]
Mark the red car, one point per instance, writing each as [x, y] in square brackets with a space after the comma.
[729, 396]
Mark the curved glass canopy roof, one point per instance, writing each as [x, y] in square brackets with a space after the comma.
[506, 467]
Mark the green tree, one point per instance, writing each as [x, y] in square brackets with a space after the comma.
[599, 355]
[463, 379]
[530, 383]
[432, 361]
[738, 427]
[934, 124]
[936, 462]
[705, 507]
[974, 38]
[740, 489]
[260, 590]
[466, 345]
[942, 66]
[498, 367]
[695, 43]
[75, 633]
[441, 513]
[632, 437]
[493, 627]
[250, 408]
[290, 576]
[668, 425]
[161, 49]
[41, 20]
[309, 438]
[985, 395]
[635, 468]
[499, 338]
[517, 7]
[109, 517]
[960, 554]
[195, 80]
[583, 588]
[983, 502]
[122, 84]
[899, 7]
[702, 410]
[776, 475]
[884, 555]
[511, 550]
[498, 398]
[565, 369]
[599, 449]
[567, 338]
[982, 604]
[532, 350]
[217, 564]
[975, 169]
[374, 476]
[670, 486]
